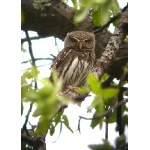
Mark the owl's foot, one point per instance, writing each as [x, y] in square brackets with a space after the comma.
[73, 88]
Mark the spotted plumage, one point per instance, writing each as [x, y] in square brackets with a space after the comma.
[76, 59]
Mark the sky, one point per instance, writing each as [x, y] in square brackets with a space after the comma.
[42, 49]
[138, 73]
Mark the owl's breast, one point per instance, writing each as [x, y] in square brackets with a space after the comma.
[75, 73]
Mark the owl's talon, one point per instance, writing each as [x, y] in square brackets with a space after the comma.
[72, 88]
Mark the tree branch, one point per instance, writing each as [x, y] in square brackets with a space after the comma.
[38, 143]
[30, 48]
[107, 112]
[33, 63]
[112, 47]
[24, 128]
[53, 16]
[36, 59]
[119, 109]
[108, 56]
[33, 38]
[115, 17]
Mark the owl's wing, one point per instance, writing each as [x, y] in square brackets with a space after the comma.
[60, 57]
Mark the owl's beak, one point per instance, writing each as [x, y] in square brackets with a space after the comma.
[80, 45]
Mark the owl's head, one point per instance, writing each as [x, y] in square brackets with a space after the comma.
[80, 40]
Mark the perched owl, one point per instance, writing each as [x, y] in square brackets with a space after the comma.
[76, 59]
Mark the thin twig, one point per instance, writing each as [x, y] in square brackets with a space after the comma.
[53, 56]
[33, 38]
[106, 132]
[33, 63]
[79, 126]
[122, 77]
[115, 17]
[24, 128]
[119, 109]
[36, 59]
[57, 45]
[107, 112]
[37, 67]
[30, 48]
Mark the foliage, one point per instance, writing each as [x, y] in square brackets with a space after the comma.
[46, 100]
[100, 10]
[105, 146]
[46, 95]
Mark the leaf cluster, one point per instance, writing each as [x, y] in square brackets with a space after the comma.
[46, 98]
[99, 10]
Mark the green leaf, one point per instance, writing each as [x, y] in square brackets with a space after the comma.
[120, 141]
[66, 122]
[124, 109]
[114, 6]
[27, 75]
[93, 83]
[98, 103]
[83, 11]
[54, 75]
[125, 120]
[125, 69]
[31, 96]
[63, 99]
[104, 78]
[57, 83]
[57, 119]
[108, 93]
[105, 146]
[75, 4]
[37, 112]
[96, 122]
[80, 15]
[52, 129]
[83, 90]
[48, 109]
[34, 71]
[101, 14]
[21, 108]
[43, 126]
[24, 89]
[95, 18]
[112, 117]
[44, 92]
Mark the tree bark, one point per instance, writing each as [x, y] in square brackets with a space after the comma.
[55, 18]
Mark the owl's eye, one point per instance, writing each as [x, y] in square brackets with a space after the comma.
[86, 41]
[73, 40]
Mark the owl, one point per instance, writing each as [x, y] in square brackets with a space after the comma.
[76, 59]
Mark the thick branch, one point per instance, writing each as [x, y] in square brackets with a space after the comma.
[112, 47]
[56, 16]
[38, 143]
[52, 16]
[108, 55]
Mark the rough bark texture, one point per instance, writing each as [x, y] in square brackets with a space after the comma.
[109, 57]
[112, 48]
[54, 18]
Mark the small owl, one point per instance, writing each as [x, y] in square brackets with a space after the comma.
[76, 59]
